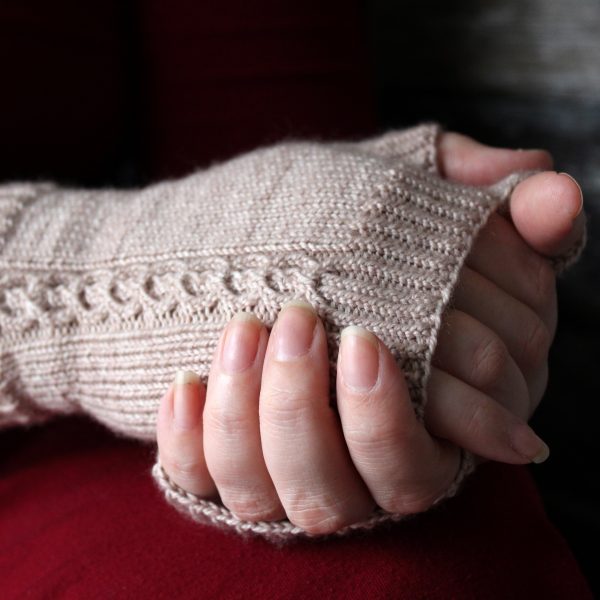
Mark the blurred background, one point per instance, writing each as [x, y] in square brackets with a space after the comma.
[123, 93]
[523, 74]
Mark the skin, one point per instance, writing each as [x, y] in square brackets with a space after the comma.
[258, 435]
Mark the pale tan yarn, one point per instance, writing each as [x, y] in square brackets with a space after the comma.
[105, 294]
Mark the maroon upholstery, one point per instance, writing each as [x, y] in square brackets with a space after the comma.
[79, 515]
[247, 74]
[81, 518]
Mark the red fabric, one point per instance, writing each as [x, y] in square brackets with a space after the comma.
[81, 518]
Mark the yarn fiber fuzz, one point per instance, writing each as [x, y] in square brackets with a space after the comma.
[104, 294]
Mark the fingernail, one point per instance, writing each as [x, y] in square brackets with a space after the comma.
[186, 408]
[359, 358]
[580, 192]
[294, 330]
[241, 342]
[529, 445]
[542, 455]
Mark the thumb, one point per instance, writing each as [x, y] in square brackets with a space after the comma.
[546, 209]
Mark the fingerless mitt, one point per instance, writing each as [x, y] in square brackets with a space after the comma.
[105, 294]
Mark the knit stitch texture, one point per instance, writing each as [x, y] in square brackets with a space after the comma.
[105, 294]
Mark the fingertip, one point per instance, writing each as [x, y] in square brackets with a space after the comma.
[179, 434]
[546, 210]
[538, 159]
[294, 332]
[393, 376]
[367, 366]
[477, 423]
[359, 359]
[368, 375]
[527, 444]
[188, 400]
[165, 407]
[239, 344]
[575, 202]
[466, 160]
[405, 469]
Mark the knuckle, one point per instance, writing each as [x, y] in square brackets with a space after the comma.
[416, 492]
[376, 438]
[544, 281]
[372, 427]
[490, 362]
[318, 515]
[318, 522]
[226, 421]
[252, 506]
[187, 471]
[408, 503]
[535, 345]
[281, 395]
[476, 420]
[282, 407]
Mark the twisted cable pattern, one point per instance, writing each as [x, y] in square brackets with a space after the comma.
[104, 294]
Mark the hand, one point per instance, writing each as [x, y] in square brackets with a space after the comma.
[498, 329]
[268, 442]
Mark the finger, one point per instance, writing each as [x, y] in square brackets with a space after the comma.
[232, 444]
[467, 161]
[472, 352]
[405, 469]
[179, 435]
[467, 417]
[547, 210]
[302, 441]
[502, 256]
[523, 332]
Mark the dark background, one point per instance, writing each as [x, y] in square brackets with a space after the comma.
[525, 74]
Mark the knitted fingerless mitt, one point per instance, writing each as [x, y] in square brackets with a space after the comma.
[105, 294]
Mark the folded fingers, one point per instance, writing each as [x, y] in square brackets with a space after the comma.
[232, 444]
[266, 440]
[179, 433]
[469, 418]
[523, 332]
[302, 442]
[474, 353]
[502, 256]
[405, 469]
